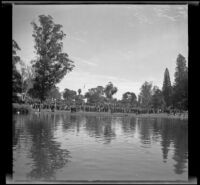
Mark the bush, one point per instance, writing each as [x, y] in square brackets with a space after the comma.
[21, 108]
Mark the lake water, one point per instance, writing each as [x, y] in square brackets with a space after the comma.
[86, 147]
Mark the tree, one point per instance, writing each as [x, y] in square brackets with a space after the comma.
[157, 100]
[69, 95]
[51, 64]
[145, 94]
[181, 69]
[79, 91]
[180, 87]
[54, 93]
[129, 98]
[110, 90]
[167, 88]
[79, 99]
[27, 76]
[95, 95]
[16, 77]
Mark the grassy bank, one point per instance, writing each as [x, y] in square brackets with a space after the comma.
[21, 108]
[159, 115]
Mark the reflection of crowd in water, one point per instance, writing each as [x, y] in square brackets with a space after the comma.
[105, 108]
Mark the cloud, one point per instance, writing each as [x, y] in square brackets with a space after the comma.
[182, 11]
[169, 12]
[163, 11]
[140, 15]
[169, 17]
[138, 12]
[77, 39]
[88, 62]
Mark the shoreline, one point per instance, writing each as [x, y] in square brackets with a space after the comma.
[153, 115]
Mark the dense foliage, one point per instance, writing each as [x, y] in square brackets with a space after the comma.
[69, 95]
[51, 64]
[95, 95]
[129, 99]
[180, 87]
[16, 77]
[167, 88]
[145, 94]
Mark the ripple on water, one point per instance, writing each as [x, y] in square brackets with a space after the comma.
[89, 147]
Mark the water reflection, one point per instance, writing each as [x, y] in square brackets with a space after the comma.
[100, 127]
[180, 148]
[128, 125]
[36, 134]
[145, 131]
[15, 133]
[175, 133]
[45, 152]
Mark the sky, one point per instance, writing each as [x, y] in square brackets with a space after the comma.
[124, 44]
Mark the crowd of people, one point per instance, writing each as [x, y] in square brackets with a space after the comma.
[111, 108]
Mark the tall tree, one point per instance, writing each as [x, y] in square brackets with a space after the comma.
[16, 77]
[181, 69]
[79, 91]
[167, 88]
[110, 90]
[180, 88]
[51, 64]
[145, 94]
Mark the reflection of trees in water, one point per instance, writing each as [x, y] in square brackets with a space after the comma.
[109, 133]
[45, 152]
[15, 132]
[93, 126]
[78, 123]
[145, 130]
[167, 132]
[180, 147]
[96, 126]
[173, 132]
[100, 127]
[128, 125]
[72, 123]
[18, 131]
[156, 130]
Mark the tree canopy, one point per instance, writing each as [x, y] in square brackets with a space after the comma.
[54, 93]
[145, 94]
[157, 99]
[129, 98]
[16, 77]
[69, 95]
[95, 95]
[180, 87]
[167, 88]
[110, 90]
[51, 64]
